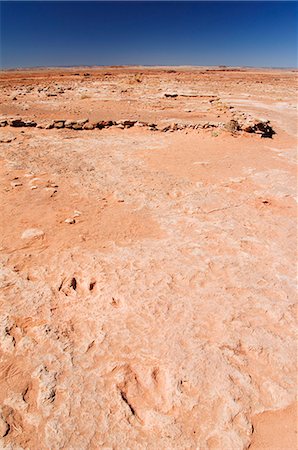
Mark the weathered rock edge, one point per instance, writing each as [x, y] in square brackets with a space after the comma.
[233, 126]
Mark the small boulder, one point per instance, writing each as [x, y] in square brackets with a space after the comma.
[105, 124]
[129, 123]
[265, 129]
[17, 123]
[212, 124]
[59, 123]
[88, 126]
[32, 233]
[260, 127]
[30, 123]
[77, 126]
[69, 123]
[82, 121]
[248, 128]
[165, 129]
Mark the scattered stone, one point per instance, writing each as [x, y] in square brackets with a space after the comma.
[106, 124]
[3, 123]
[216, 99]
[32, 233]
[265, 129]
[88, 126]
[81, 121]
[16, 123]
[165, 129]
[30, 123]
[77, 126]
[171, 95]
[69, 123]
[248, 128]
[260, 127]
[58, 123]
[70, 220]
[129, 123]
[212, 124]
[21, 123]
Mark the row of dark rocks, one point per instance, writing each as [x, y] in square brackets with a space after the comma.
[259, 127]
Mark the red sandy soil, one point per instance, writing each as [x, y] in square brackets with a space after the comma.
[163, 317]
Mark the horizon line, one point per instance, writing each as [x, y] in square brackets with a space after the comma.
[116, 66]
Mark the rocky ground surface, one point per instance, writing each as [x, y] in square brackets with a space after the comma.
[148, 245]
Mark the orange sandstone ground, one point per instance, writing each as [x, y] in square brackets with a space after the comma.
[148, 277]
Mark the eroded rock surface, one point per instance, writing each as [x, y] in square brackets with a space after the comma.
[147, 278]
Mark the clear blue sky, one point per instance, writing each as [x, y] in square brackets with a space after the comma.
[148, 33]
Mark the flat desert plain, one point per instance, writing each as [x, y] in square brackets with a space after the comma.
[148, 258]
